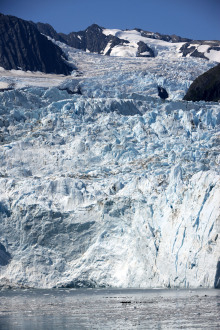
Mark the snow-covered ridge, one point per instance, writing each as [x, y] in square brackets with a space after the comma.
[134, 37]
[134, 43]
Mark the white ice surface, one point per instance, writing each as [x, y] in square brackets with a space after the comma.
[213, 55]
[203, 48]
[20, 78]
[112, 187]
[3, 85]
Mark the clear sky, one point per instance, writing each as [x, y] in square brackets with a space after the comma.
[195, 19]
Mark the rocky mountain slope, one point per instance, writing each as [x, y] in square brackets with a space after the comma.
[117, 42]
[93, 40]
[23, 47]
[205, 87]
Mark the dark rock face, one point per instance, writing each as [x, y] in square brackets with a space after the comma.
[196, 53]
[188, 49]
[49, 31]
[143, 49]
[95, 40]
[175, 38]
[206, 87]
[164, 37]
[162, 93]
[22, 46]
[91, 39]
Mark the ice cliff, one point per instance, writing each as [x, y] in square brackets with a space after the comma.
[113, 187]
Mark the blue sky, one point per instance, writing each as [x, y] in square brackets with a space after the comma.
[196, 19]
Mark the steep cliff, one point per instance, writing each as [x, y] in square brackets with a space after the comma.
[23, 47]
[206, 87]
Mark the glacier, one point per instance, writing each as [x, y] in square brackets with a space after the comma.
[114, 187]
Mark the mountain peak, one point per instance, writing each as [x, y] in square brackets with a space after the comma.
[94, 27]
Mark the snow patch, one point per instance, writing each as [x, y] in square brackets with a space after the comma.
[213, 55]
[125, 50]
[112, 32]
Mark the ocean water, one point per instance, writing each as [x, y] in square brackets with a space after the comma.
[109, 309]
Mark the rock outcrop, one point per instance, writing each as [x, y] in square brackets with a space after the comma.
[22, 46]
[206, 87]
[162, 93]
[164, 37]
[144, 50]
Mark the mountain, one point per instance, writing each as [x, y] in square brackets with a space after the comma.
[93, 40]
[206, 87]
[22, 46]
[137, 42]
[25, 45]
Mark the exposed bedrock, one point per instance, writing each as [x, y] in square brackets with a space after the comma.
[23, 47]
[206, 87]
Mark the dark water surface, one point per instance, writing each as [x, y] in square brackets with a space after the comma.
[109, 309]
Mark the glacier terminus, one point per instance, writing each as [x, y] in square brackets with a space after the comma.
[104, 184]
